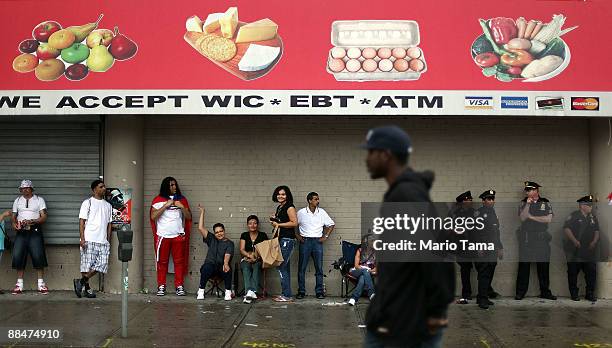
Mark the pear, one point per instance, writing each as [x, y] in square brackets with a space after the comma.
[100, 59]
[81, 31]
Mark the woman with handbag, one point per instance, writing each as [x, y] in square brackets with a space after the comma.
[285, 221]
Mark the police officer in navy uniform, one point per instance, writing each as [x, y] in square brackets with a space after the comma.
[534, 239]
[487, 259]
[465, 259]
[581, 232]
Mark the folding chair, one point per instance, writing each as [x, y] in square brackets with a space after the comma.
[344, 265]
[214, 285]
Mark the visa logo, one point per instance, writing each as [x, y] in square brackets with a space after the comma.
[514, 102]
[479, 103]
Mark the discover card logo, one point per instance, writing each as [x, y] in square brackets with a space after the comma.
[515, 102]
[549, 103]
[479, 103]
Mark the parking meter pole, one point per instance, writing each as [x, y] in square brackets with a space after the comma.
[124, 299]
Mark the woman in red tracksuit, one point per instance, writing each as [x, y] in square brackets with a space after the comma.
[171, 225]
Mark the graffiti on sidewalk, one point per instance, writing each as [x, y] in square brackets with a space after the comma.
[268, 345]
[593, 345]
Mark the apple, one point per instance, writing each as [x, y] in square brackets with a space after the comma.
[44, 52]
[28, 46]
[62, 39]
[49, 70]
[99, 37]
[42, 31]
[25, 62]
[76, 53]
[76, 72]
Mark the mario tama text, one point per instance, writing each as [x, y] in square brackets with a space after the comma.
[429, 227]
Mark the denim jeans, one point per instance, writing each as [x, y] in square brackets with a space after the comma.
[364, 279]
[251, 273]
[284, 270]
[310, 247]
[372, 341]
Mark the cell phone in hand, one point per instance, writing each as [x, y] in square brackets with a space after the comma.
[273, 219]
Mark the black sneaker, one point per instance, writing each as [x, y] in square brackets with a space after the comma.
[548, 296]
[300, 295]
[161, 290]
[519, 297]
[78, 288]
[590, 297]
[483, 305]
[575, 298]
[489, 302]
[493, 294]
[320, 296]
[89, 293]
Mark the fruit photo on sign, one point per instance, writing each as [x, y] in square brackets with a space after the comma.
[528, 51]
[245, 50]
[72, 51]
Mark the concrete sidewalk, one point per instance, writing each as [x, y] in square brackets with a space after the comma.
[172, 321]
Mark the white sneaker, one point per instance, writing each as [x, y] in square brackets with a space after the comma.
[247, 300]
[372, 296]
[251, 294]
[228, 295]
[200, 294]
[351, 301]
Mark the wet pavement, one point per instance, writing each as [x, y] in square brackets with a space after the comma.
[171, 321]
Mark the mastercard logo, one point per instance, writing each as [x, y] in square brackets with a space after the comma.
[585, 103]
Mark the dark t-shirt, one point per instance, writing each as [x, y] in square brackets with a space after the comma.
[217, 249]
[283, 216]
[248, 243]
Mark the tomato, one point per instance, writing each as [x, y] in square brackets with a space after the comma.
[520, 59]
[486, 59]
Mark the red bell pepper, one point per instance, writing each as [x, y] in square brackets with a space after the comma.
[503, 30]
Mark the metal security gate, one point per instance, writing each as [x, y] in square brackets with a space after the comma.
[62, 156]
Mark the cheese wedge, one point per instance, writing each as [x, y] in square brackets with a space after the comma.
[258, 57]
[229, 22]
[212, 23]
[194, 23]
[263, 29]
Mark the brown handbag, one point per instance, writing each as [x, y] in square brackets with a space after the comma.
[269, 251]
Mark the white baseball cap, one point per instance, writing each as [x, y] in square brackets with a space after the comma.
[26, 183]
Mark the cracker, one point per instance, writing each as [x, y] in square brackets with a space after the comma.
[203, 43]
[221, 49]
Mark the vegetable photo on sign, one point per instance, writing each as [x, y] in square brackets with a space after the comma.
[530, 51]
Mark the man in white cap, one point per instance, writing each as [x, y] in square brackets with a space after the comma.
[29, 213]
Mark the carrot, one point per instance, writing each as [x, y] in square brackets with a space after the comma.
[521, 24]
[530, 26]
[536, 30]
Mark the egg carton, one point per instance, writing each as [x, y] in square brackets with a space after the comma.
[394, 35]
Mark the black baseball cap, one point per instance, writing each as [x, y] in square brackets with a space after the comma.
[391, 138]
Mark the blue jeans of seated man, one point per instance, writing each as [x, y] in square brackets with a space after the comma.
[251, 273]
[310, 247]
[284, 270]
[364, 280]
[373, 341]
